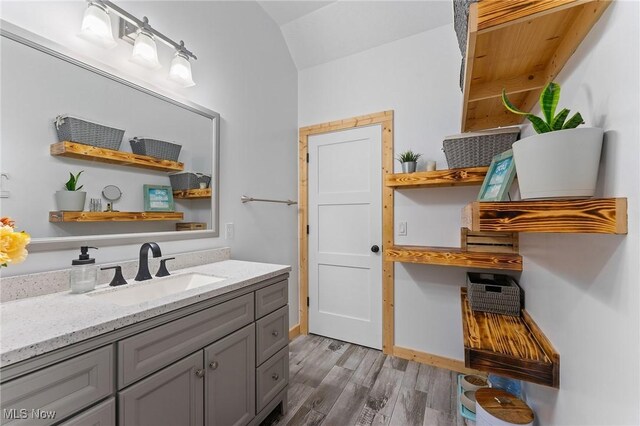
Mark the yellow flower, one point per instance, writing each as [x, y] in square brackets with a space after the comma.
[13, 245]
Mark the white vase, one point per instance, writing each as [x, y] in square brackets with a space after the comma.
[561, 164]
[70, 201]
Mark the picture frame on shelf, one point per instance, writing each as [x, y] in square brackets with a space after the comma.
[158, 198]
[499, 178]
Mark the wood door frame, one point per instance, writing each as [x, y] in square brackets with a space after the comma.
[385, 120]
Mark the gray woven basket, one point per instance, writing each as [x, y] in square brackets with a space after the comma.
[496, 293]
[478, 149]
[155, 148]
[74, 129]
[206, 179]
[186, 180]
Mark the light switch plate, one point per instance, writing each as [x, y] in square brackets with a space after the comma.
[229, 231]
[402, 229]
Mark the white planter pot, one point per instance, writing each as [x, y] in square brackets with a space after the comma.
[562, 164]
[70, 201]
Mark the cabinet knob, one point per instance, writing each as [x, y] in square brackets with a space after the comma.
[275, 376]
[200, 372]
[213, 365]
[275, 333]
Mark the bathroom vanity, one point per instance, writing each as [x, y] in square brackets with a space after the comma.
[215, 355]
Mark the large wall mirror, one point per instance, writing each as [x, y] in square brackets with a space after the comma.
[41, 81]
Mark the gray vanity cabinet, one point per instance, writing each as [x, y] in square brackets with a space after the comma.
[230, 398]
[173, 396]
[103, 414]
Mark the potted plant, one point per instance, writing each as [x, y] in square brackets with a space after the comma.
[408, 159]
[71, 199]
[561, 161]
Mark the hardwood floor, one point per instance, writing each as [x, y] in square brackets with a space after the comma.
[341, 384]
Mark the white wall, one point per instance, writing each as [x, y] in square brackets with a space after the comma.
[581, 289]
[244, 72]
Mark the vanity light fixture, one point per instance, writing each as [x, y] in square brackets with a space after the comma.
[96, 27]
[180, 71]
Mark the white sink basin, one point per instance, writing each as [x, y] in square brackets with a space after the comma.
[156, 288]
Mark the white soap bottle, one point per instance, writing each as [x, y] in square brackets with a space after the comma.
[84, 272]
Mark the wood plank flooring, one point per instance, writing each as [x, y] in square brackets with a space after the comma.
[333, 383]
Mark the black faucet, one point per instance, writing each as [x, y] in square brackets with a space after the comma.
[143, 263]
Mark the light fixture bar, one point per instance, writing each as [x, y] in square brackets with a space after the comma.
[144, 24]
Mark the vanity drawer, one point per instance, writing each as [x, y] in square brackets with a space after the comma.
[270, 298]
[272, 377]
[103, 414]
[63, 389]
[144, 353]
[271, 334]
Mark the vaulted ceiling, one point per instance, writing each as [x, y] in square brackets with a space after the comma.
[321, 31]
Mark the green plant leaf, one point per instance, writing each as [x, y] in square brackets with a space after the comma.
[79, 188]
[408, 156]
[574, 121]
[71, 183]
[508, 105]
[539, 125]
[549, 98]
[558, 121]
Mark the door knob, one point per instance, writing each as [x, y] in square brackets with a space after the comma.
[275, 333]
[375, 249]
[200, 372]
[213, 365]
[275, 376]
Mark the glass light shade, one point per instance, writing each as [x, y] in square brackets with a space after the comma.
[96, 26]
[180, 71]
[145, 51]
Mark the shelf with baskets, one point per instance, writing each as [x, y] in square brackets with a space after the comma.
[587, 216]
[518, 45]
[451, 256]
[439, 178]
[192, 194]
[511, 346]
[79, 217]
[110, 156]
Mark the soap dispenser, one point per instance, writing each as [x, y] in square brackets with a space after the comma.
[84, 272]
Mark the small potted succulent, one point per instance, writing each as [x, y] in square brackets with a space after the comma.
[561, 160]
[408, 159]
[71, 199]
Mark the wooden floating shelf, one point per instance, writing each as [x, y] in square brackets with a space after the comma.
[59, 216]
[438, 178]
[447, 256]
[588, 216]
[519, 45]
[192, 194]
[110, 156]
[508, 346]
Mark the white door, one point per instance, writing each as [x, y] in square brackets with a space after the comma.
[345, 235]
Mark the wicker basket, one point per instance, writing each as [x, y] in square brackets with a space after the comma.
[495, 293]
[188, 180]
[155, 148]
[478, 149]
[74, 129]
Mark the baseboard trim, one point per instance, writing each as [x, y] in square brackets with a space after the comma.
[294, 331]
[431, 359]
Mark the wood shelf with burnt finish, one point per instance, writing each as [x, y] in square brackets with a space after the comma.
[110, 156]
[508, 346]
[584, 216]
[80, 217]
[450, 256]
[192, 194]
[518, 45]
[438, 178]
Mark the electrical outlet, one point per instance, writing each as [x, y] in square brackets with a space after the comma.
[229, 231]
[402, 229]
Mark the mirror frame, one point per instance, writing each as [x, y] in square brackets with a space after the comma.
[23, 36]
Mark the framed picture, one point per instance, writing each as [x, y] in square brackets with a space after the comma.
[158, 198]
[499, 178]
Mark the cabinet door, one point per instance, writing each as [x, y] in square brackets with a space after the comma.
[103, 414]
[230, 398]
[171, 397]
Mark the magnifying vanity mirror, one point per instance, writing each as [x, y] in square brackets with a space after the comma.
[41, 81]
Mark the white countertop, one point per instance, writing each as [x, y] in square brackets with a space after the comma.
[36, 325]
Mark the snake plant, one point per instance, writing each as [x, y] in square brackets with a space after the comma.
[72, 183]
[408, 156]
[548, 102]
